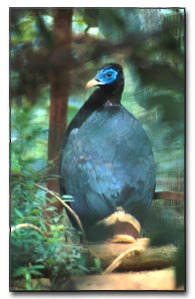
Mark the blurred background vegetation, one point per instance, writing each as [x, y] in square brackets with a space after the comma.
[53, 53]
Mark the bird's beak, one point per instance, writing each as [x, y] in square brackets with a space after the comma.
[91, 83]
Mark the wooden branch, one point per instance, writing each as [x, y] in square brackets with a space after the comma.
[124, 255]
[27, 225]
[172, 195]
[66, 206]
[131, 257]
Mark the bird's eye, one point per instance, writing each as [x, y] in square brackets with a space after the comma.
[109, 75]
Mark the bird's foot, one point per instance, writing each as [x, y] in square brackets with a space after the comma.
[120, 238]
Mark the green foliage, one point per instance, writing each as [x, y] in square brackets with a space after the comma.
[162, 73]
[27, 273]
[112, 23]
[43, 251]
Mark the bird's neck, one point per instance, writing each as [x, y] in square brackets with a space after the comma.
[107, 96]
[98, 98]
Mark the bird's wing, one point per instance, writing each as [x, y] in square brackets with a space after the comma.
[89, 180]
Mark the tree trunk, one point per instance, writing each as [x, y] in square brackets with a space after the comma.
[60, 82]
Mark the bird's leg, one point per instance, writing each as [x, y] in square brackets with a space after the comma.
[126, 227]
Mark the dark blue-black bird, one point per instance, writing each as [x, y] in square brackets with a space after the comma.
[106, 160]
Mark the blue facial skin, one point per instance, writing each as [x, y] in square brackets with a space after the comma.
[106, 76]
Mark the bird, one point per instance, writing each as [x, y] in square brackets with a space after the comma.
[106, 161]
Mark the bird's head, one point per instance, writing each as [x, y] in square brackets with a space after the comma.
[109, 78]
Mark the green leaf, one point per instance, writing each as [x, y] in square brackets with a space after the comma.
[21, 271]
[98, 266]
[68, 198]
[39, 266]
[18, 213]
[15, 165]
